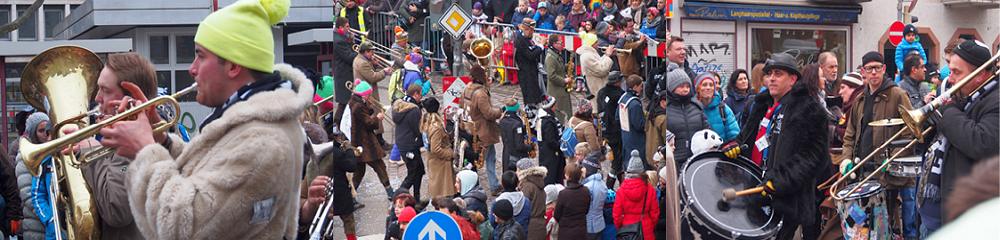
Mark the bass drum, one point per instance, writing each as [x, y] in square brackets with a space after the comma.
[702, 180]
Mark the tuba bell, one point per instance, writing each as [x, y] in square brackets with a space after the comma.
[482, 49]
[61, 80]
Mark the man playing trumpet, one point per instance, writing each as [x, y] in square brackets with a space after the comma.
[239, 177]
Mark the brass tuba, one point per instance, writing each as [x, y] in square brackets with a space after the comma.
[61, 80]
[482, 49]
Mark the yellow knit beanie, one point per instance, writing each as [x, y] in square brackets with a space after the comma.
[241, 32]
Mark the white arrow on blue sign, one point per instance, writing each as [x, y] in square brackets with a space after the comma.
[432, 225]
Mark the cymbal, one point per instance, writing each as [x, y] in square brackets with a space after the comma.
[888, 122]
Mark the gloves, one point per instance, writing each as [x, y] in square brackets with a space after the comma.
[731, 149]
[768, 188]
[15, 226]
[845, 166]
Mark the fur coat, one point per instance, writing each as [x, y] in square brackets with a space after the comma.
[238, 179]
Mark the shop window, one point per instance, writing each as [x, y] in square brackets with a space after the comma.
[53, 15]
[809, 43]
[185, 49]
[159, 49]
[28, 29]
[13, 70]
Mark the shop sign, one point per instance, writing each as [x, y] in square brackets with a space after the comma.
[766, 13]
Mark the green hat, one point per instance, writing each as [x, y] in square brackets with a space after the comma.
[241, 32]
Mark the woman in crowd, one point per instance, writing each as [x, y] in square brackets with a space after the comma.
[572, 206]
[738, 92]
[636, 200]
[720, 117]
[37, 132]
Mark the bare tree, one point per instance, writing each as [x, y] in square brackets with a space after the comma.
[9, 27]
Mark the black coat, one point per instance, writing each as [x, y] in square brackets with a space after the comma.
[549, 155]
[500, 8]
[972, 137]
[343, 69]
[342, 163]
[798, 151]
[9, 192]
[512, 135]
[607, 103]
[684, 118]
[406, 116]
[571, 211]
[527, 58]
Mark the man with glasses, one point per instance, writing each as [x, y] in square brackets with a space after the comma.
[879, 101]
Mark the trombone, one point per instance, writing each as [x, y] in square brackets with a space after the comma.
[36, 152]
[914, 120]
[379, 60]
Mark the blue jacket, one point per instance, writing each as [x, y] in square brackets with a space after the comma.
[635, 137]
[905, 48]
[727, 127]
[598, 193]
[519, 16]
[545, 22]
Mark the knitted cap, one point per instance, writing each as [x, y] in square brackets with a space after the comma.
[552, 192]
[589, 39]
[362, 88]
[32, 124]
[635, 163]
[852, 79]
[407, 215]
[241, 32]
[526, 163]
[512, 106]
[592, 163]
[677, 78]
[909, 29]
[872, 56]
[701, 77]
[547, 101]
[974, 52]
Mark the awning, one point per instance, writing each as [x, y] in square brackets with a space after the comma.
[32, 48]
[311, 36]
[839, 14]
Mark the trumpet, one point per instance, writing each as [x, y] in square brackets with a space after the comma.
[37, 152]
[618, 50]
[914, 120]
[316, 229]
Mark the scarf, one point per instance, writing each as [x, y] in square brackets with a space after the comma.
[269, 83]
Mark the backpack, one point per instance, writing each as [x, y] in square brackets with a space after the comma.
[568, 141]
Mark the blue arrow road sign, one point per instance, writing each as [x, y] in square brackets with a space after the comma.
[432, 225]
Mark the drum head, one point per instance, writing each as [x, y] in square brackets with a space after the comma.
[703, 179]
[867, 189]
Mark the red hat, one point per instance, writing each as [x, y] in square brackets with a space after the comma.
[407, 214]
[653, 11]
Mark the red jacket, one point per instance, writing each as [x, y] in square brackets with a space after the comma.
[468, 230]
[628, 206]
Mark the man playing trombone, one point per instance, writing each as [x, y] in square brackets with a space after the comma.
[967, 130]
[364, 67]
[239, 178]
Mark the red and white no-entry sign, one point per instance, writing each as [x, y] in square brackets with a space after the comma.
[896, 33]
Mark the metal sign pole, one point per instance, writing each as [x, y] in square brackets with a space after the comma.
[3, 103]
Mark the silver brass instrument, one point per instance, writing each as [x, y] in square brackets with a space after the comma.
[319, 222]
[915, 120]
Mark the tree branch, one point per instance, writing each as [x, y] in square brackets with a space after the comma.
[10, 27]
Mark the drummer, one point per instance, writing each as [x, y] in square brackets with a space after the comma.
[878, 102]
[790, 161]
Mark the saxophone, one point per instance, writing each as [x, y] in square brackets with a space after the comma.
[571, 72]
[528, 130]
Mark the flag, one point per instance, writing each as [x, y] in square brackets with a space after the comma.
[670, 8]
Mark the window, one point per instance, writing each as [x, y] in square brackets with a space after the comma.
[4, 19]
[53, 15]
[28, 29]
[185, 49]
[163, 80]
[184, 80]
[159, 49]
[809, 41]
[13, 70]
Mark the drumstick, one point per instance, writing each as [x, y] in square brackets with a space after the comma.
[729, 194]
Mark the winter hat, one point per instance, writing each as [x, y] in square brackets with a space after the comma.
[469, 180]
[615, 76]
[677, 78]
[431, 104]
[872, 56]
[326, 87]
[635, 163]
[503, 210]
[362, 88]
[909, 29]
[592, 163]
[478, 5]
[241, 32]
[407, 215]
[512, 106]
[701, 77]
[547, 101]
[852, 79]
[974, 52]
[32, 124]
[552, 192]
[525, 163]
[584, 107]
[588, 39]
[415, 58]
[401, 34]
